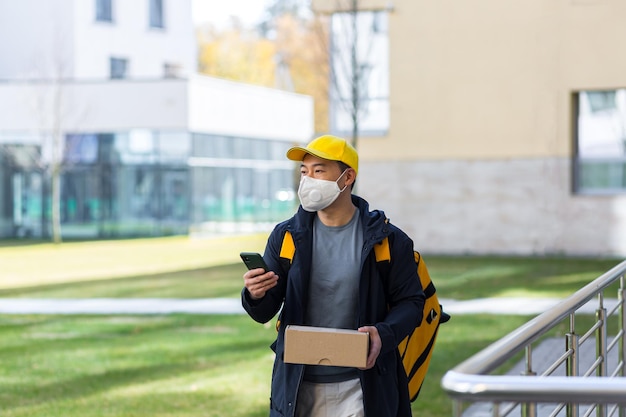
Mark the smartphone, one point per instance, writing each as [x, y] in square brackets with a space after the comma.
[253, 260]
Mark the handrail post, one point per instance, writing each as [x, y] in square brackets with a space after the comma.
[529, 409]
[457, 406]
[496, 410]
[601, 370]
[572, 365]
[621, 298]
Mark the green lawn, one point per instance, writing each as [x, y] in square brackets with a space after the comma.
[186, 365]
[43, 264]
[187, 268]
[174, 365]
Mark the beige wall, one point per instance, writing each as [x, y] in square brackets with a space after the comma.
[478, 157]
[493, 78]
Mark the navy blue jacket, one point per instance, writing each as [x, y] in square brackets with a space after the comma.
[393, 304]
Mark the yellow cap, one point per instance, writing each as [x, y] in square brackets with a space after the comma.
[327, 147]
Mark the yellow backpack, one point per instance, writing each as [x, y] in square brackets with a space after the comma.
[416, 349]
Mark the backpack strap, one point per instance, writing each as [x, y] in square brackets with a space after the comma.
[288, 248]
[287, 252]
[382, 251]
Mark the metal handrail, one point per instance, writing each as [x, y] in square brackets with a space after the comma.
[470, 380]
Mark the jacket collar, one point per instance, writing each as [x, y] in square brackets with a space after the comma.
[375, 223]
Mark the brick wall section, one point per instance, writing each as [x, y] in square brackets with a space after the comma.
[521, 206]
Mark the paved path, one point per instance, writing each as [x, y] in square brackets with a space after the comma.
[120, 306]
[519, 306]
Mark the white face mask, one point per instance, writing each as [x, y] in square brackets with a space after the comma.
[316, 194]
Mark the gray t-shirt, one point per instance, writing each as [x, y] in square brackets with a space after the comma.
[334, 285]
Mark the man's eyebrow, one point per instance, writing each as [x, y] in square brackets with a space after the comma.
[318, 164]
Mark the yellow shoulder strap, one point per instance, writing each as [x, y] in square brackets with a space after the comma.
[288, 249]
[381, 250]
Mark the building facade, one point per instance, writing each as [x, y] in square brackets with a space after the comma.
[96, 39]
[145, 147]
[506, 124]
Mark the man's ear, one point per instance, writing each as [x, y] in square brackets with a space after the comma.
[350, 176]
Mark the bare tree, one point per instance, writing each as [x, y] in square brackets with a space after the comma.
[351, 44]
[348, 37]
[56, 114]
[351, 49]
[55, 167]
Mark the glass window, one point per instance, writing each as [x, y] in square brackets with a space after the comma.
[172, 70]
[241, 180]
[174, 147]
[601, 101]
[80, 149]
[600, 162]
[26, 197]
[118, 68]
[133, 183]
[81, 201]
[360, 59]
[21, 155]
[107, 152]
[104, 11]
[146, 183]
[137, 146]
[156, 13]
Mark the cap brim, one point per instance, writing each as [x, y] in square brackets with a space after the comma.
[297, 154]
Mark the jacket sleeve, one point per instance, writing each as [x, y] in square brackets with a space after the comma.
[405, 296]
[266, 308]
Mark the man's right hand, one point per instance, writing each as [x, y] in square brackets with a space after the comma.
[258, 282]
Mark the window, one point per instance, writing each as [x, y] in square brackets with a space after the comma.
[240, 179]
[171, 70]
[601, 101]
[104, 11]
[369, 72]
[156, 13]
[119, 68]
[80, 149]
[600, 161]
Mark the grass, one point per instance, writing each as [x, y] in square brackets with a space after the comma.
[45, 263]
[466, 278]
[173, 365]
[218, 281]
[140, 366]
[186, 365]
[184, 268]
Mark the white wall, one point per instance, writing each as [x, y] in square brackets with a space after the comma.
[95, 106]
[38, 36]
[234, 109]
[203, 104]
[35, 38]
[130, 36]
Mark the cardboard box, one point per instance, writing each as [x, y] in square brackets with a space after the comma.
[324, 346]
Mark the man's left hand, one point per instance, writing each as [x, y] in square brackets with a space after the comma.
[375, 345]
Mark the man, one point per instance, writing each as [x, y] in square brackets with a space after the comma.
[333, 281]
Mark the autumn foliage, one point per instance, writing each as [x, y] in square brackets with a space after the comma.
[292, 55]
